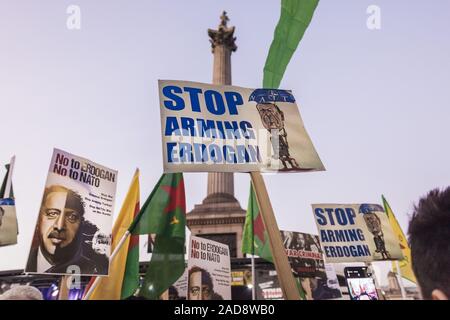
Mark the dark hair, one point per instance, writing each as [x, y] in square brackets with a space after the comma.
[206, 277]
[429, 234]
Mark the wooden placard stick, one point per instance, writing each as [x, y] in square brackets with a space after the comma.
[64, 288]
[165, 295]
[284, 272]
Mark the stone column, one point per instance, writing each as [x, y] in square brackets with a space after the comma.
[222, 43]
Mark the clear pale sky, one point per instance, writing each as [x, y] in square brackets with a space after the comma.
[375, 102]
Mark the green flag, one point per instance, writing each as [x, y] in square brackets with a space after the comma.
[294, 19]
[255, 239]
[163, 214]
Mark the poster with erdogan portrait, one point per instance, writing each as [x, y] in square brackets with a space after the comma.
[355, 233]
[209, 270]
[216, 128]
[74, 223]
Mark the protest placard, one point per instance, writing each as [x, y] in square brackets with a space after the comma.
[209, 270]
[216, 128]
[74, 224]
[355, 233]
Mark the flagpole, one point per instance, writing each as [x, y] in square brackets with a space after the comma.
[122, 240]
[64, 288]
[284, 272]
[253, 250]
[9, 179]
[399, 273]
[111, 259]
[253, 279]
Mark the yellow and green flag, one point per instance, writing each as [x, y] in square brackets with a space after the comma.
[405, 264]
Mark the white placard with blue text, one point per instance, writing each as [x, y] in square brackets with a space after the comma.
[211, 128]
[355, 233]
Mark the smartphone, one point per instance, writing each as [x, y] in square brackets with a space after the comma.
[361, 285]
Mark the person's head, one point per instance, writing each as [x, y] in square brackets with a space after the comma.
[173, 293]
[371, 219]
[2, 213]
[429, 234]
[301, 241]
[314, 283]
[200, 281]
[22, 293]
[60, 217]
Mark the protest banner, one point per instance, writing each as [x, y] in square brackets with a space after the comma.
[304, 253]
[323, 286]
[267, 285]
[355, 233]
[8, 222]
[241, 278]
[209, 270]
[305, 256]
[74, 224]
[216, 128]
[8, 219]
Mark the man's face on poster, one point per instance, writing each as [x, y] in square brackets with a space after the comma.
[59, 221]
[270, 116]
[373, 223]
[197, 290]
[195, 285]
[206, 292]
[301, 240]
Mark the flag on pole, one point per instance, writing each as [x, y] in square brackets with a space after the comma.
[163, 214]
[123, 279]
[255, 240]
[294, 20]
[405, 264]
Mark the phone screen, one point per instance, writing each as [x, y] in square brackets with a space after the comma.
[362, 289]
[360, 285]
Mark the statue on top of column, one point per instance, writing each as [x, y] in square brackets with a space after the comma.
[224, 34]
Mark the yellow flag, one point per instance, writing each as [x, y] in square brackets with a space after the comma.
[110, 288]
[405, 264]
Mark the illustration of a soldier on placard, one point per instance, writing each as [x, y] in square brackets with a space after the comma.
[373, 223]
[273, 120]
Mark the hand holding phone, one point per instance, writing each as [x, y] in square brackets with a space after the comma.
[361, 285]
